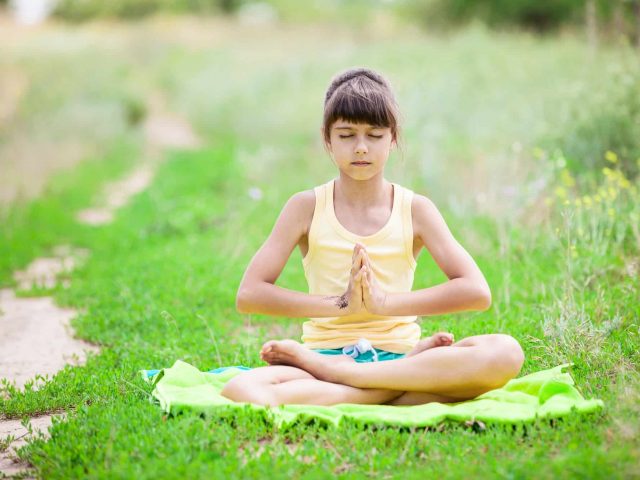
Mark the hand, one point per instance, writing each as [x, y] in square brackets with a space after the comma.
[352, 301]
[373, 296]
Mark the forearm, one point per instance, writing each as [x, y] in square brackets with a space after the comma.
[456, 295]
[268, 299]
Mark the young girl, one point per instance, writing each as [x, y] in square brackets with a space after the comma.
[360, 235]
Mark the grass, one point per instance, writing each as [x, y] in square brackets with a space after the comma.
[160, 282]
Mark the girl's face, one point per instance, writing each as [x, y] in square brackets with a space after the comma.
[359, 150]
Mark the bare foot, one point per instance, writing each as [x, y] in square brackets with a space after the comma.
[290, 352]
[440, 339]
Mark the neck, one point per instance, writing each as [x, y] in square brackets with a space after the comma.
[362, 194]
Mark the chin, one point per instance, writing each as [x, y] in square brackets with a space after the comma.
[362, 176]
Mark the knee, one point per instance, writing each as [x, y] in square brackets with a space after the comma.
[505, 359]
[239, 390]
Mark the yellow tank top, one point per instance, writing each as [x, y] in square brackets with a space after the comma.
[328, 262]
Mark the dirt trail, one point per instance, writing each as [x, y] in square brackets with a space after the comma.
[9, 464]
[36, 337]
[162, 131]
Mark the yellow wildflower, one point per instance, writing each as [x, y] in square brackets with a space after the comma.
[597, 198]
[623, 182]
[567, 202]
[566, 178]
[607, 172]
[611, 156]
[611, 212]
[561, 192]
[587, 201]
[613, 193]
[602, 192]
[578, 202]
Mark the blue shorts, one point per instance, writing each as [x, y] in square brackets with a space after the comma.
[362, 352]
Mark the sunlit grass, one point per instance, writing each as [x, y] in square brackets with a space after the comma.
[558, 246]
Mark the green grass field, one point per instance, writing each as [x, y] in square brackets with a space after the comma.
[492, 124]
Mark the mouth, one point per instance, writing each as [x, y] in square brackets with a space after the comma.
[361, 163]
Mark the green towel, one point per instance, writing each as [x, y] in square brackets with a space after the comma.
[544, 394]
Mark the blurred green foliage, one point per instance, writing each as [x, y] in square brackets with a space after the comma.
[80, 10]
[532, 14]
[606, 120]
[528, 13]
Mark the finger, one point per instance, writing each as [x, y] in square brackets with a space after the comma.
[363, 269]
[357, 263]
[367, 259]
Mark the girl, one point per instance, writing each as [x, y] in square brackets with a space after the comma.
[360, 236]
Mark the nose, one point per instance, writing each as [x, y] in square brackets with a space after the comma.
[361, 147]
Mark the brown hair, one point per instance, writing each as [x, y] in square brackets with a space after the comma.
[360, 95]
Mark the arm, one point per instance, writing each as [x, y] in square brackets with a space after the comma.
[466, 288]
[258, 293]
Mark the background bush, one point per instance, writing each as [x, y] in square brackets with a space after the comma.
[80, 10]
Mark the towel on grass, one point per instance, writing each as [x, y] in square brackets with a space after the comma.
[543, 394]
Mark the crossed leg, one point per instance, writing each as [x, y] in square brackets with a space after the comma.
[458, 372]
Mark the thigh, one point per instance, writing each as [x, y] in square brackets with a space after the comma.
[420, 398]
[488, 340]
[271, 374]
[255, 385]
[280, 384]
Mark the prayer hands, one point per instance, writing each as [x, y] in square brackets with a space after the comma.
[364, 292]
[352, 301]
[373, 296]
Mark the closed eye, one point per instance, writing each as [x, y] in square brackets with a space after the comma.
[372, 136]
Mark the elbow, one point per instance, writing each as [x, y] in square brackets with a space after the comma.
[483, 301]
[242, 301]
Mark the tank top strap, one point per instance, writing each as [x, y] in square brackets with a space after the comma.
[407, 224]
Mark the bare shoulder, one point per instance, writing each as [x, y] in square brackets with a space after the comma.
[423, 213]
[302, 205]
[429, 226]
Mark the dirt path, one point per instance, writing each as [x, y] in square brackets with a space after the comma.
[162, 131]
[36, 335]
[9, 464]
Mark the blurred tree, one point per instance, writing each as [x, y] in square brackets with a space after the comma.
[591, 23]
[538, 15]
[600, 18]
[636, 5]
[80, 10]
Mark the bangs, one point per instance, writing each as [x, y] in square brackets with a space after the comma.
[360, 102]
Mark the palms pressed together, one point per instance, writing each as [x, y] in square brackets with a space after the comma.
[364, 293]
